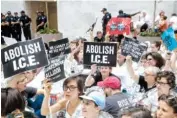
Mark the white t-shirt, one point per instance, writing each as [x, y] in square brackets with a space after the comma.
[77, 113]
[173, 20]
[122, 73]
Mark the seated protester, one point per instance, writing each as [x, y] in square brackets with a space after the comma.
[155, 46]
[163, 25]
[121, 71]
[143, 23]
[158, 18]
[73, 62]
[13, 104]
[155, 59]
[165, 82]
[116, 100]
[99, 37]
[93, 102]
[19, 82]
[173, 22]
[95, 76]
[167, 107]
[135, 112]
[73, 88]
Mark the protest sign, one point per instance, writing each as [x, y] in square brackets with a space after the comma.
[168, 38]
[59, 47]
[102, 54]
[23, 56]
[118, 26]
[55, 70]
[134, 48]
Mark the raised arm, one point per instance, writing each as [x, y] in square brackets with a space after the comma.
[90, 80]
[130, 69]
[46, 109]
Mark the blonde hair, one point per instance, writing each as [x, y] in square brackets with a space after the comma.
[12, 82]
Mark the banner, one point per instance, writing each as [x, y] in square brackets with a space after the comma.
[55, 70]
[102, 54]
[168, 38]
[59, 47]
[118, 26]
[134, 48]
[23, 56]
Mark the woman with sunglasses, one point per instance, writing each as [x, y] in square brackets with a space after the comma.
[73, 88]
[167, 107]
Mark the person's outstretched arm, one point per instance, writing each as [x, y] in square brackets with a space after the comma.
[46, 109]
[130, 69]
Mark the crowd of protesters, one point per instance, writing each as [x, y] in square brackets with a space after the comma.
[147, 89]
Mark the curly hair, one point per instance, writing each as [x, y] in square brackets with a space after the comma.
[170, 77]
[157, 57]
[170, 100]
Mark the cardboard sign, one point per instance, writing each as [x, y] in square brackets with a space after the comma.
[23, 56]
[59, 47]
[55, 70]
[168, 38]
[134, 48]
[102, 54]
[118, 26]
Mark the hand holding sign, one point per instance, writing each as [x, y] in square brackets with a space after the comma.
[93, 68]
[47, 87]
[129, 60]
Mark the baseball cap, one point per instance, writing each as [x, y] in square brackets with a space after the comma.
[97, 97]
[104, 9]
[111, 82]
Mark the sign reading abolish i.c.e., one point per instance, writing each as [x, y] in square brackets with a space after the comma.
[102, 54]
[23, 56]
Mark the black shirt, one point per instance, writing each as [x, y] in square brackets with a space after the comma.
[106, 19]
[143, 84]
[25, 20]
[96, 39]
[16, 19]
[124, 15]
[98, 77]
[10, 19]
[39, 20]
[115, 103]
[4, 28]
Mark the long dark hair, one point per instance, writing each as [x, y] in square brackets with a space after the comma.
[11, 99]
[158, 58]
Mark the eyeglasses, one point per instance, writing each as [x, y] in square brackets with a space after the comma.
[71, 88]
[161, 83]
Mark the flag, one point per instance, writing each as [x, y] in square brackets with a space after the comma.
[118, 26]
[168, 38]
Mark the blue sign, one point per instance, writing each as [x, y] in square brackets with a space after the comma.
[168, 38]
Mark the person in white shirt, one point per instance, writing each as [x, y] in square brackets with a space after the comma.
[173, 22]
[158, 18]
[142, 24]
